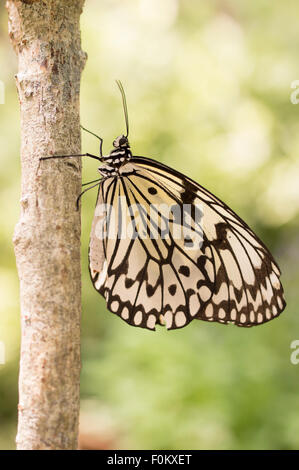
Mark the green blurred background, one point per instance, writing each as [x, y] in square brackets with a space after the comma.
[208, 86]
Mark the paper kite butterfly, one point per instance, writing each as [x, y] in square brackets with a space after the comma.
[164, 250]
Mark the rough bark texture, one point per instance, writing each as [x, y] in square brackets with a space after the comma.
[46, 38]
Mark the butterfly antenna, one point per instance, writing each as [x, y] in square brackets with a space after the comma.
[120, 86]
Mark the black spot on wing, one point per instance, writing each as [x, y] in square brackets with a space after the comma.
[221, 242]
[189, 192]
[172, 289]
[129, 282]
[184, 270]
[152, 190]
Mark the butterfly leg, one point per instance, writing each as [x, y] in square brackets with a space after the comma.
[90, 182]
[95, 135]
[85, 190]
[77, 155]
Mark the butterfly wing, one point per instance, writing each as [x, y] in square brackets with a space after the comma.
[215, 270]
[127, 274]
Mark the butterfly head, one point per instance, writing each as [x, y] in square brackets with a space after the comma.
[120, 154]
[121, 142]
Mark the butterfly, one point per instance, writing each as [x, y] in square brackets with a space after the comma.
[164, 250]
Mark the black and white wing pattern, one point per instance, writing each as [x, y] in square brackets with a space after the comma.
[180, 253]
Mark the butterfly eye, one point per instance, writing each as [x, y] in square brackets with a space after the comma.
[120, 141]
[123, 141]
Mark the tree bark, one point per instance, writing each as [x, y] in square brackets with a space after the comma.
[46, 38]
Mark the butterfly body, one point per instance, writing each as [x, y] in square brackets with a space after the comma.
[119, 156]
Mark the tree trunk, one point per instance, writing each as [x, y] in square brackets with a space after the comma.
[46, 38]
